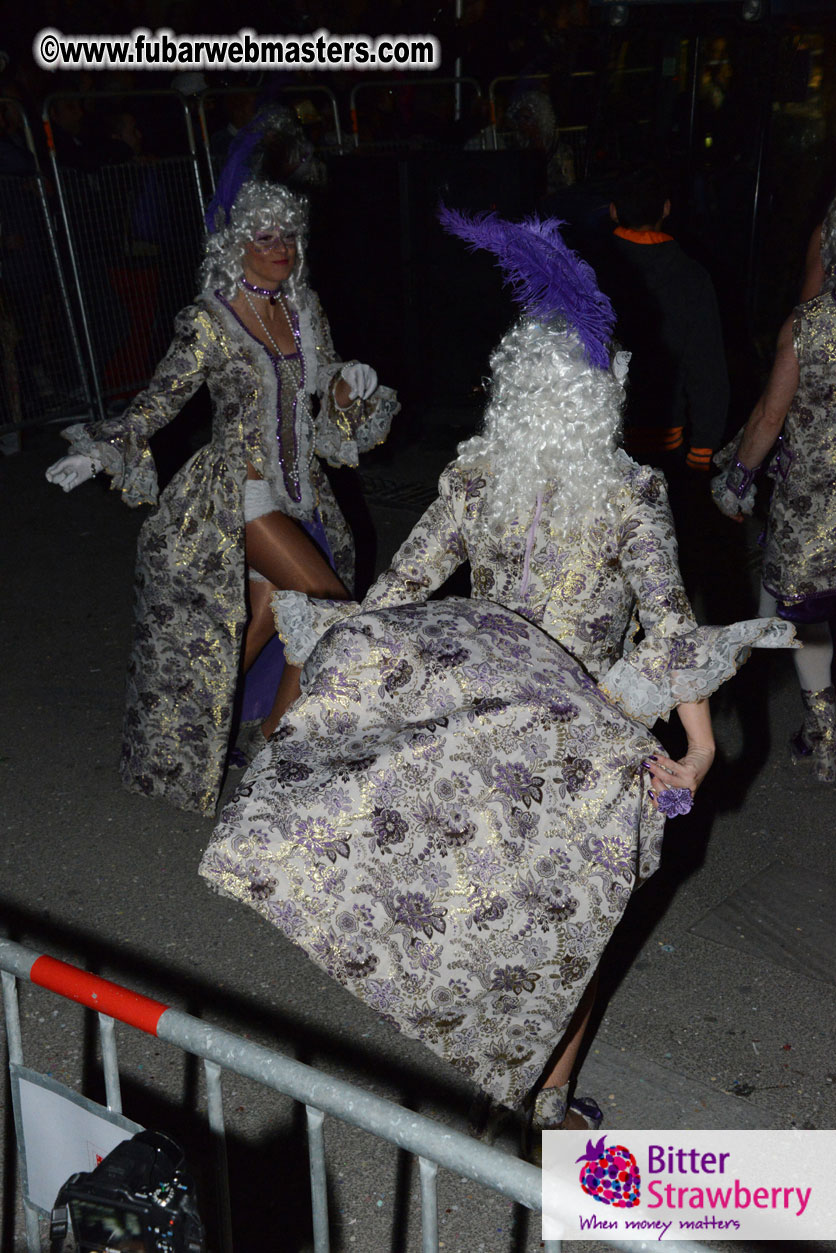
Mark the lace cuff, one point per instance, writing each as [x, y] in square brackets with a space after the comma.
[128, 461]
[665, 671]
[726, 456]
[342, 434]
[301, 622]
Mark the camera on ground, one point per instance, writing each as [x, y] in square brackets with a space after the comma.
[139, 1199]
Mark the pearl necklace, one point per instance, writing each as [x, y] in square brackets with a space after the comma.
[291, 475]
[293, 329]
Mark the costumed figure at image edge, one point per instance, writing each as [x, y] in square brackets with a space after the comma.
[798, 408]
[451, 819]
[254, 501]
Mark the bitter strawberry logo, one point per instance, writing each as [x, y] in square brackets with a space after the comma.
[610, 1175]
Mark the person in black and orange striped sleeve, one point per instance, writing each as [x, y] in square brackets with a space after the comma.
[669, 320]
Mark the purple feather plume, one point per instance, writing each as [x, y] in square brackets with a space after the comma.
[548, 279]
[246, 158]
[237, 169]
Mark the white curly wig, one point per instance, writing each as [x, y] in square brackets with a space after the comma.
[259, 206]
[553, 420]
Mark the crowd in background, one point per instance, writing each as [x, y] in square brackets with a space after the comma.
[586, 103]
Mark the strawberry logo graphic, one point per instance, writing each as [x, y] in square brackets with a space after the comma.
[610, 1175]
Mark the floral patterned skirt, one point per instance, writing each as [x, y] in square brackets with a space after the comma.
[449, 822]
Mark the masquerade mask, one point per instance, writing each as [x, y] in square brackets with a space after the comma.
[274, 241]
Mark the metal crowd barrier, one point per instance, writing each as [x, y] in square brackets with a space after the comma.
[392, 85]
[42, 372]
[434, 1144]
[221, 1051]
[214, 156]
[577, 137]
[96, 263]
[134, 236]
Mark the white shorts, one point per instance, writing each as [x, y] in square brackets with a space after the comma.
[259, 499]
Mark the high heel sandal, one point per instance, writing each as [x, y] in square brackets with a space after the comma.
[552, 1110]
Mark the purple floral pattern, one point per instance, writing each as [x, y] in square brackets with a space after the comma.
[190, 606]
[483, 795]
[800, 555]
[479, 855]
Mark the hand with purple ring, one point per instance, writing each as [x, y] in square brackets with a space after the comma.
[675, 801]
[674, 783]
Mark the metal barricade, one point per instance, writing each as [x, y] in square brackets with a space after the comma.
[134, 232]
[221, 1051]
[215, 140]
[432, 1143]
[575, 136]
[42, 373]
[405, 95]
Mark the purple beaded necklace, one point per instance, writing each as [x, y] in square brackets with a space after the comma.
[266, 293]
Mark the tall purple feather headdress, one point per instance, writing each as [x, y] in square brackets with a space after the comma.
[549, 281]
[236, 171]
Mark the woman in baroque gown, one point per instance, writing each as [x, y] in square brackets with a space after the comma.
[451, 819]
[251, 512]
[798, 410]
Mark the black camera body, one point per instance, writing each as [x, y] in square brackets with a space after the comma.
[137, 1200]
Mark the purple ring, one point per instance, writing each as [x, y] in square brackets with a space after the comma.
[674, 801]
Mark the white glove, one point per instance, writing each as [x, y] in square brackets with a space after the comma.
[71, 471]
[361, 379]
[728, 502]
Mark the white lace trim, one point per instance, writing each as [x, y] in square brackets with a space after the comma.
[665, 671]
[137, 481]
[301, 622]
[307, 340]
[341, 439]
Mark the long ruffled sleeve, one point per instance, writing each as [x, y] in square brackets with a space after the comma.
[121, 444]
[342, 434]
[676, 661]
[663, 672]
[301, 621]
[434, 549]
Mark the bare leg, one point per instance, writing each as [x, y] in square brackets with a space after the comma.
[550, 1108]
[260, 626]
[572, 1037]
[288, 691]
[279, 550]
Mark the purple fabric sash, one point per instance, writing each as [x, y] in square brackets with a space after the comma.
[818, 607]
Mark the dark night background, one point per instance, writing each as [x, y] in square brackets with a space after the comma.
[740, 111]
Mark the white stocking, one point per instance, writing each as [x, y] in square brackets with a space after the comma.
[813, 661]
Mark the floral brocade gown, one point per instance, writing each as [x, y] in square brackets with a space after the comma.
[451, 819]
[800, 556]
[278, 414]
